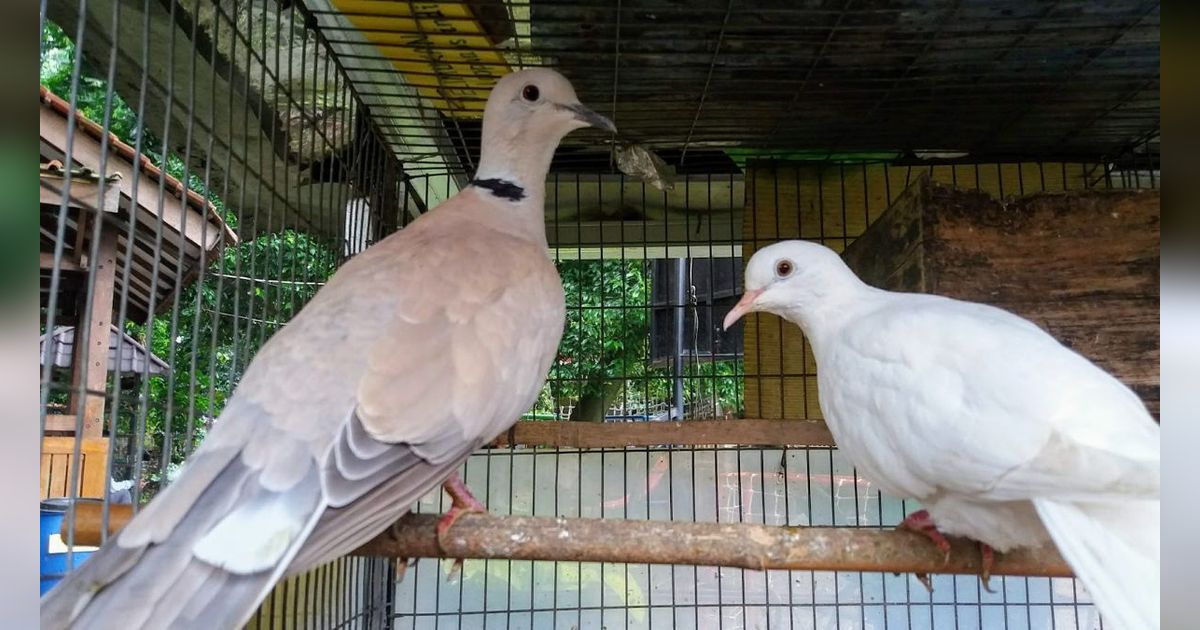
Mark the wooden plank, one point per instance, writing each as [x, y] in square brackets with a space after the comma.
[60, 422]
[57, 452]
[44, 481]
[90, 364]
[93, 479]
[84, 194]
[46, 261]
[58, 476]
[752, 432]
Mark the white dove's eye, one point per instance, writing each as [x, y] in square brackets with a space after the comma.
[530, 93]
[784, 268]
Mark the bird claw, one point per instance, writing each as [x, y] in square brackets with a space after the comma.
[455, 570]
[400, 566]
[987, 558]
[463, 503]
[923, 578]
[921, 523]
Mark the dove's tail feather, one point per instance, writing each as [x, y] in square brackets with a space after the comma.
[164, 583]
[1114, 550]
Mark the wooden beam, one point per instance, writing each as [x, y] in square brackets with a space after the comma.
[746, 432]
[745, 545]
[46, 261]
[60, 422]
[84, 193]
[90, 364]
[86, 151]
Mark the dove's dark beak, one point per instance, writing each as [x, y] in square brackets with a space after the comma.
[590, 118]
[744, 305]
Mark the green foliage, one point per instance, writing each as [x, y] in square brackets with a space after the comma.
[606, 345]
[607, 331]
[220, 321]
[93, 97]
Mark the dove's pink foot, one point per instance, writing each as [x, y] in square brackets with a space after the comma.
[986, 558]
[463, 503]
[921, 523]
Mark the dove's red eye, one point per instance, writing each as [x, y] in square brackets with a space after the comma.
[783, 268]
[530, 93]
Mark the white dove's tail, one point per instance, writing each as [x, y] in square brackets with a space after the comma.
[1113, 547]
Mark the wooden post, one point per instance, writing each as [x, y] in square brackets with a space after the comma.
[90, 365]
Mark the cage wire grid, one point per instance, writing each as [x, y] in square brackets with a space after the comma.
[285, 119]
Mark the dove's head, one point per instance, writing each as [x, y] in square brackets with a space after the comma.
[799, 281]
[527, 114]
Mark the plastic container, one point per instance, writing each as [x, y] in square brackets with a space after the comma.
[54, 563]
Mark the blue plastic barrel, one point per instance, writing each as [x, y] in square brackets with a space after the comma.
[54, 565]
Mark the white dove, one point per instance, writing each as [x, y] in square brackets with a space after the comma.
[414, 354]
[1004, 435]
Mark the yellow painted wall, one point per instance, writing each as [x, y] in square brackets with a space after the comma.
[317, 598]
[833, 205]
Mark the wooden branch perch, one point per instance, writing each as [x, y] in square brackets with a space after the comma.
[745, 432]
[742, 545]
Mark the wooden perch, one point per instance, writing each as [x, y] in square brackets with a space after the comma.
[742, 545]
[745, 432]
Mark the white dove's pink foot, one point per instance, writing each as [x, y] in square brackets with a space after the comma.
[921, 523]
[986, 558]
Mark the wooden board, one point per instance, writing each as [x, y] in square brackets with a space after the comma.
[1083, 265]
[744, 432]
[56, 467]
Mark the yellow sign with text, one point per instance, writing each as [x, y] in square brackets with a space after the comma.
[441, 48]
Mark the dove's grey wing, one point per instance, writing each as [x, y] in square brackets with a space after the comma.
[448, 375]
[400, 367]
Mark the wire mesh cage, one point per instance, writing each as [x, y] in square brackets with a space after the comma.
[206, 165]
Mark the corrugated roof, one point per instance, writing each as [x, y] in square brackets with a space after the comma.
[133, 358]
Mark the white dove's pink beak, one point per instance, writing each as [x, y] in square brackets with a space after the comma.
[744, 305]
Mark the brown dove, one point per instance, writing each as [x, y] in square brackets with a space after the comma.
[414, 354]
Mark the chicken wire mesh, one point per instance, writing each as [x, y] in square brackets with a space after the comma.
[257, 145]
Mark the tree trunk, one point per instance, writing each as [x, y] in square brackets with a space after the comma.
[594, 403]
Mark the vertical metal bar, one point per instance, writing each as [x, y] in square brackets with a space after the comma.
[677, 362]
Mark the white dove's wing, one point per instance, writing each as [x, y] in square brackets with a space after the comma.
[966, 398]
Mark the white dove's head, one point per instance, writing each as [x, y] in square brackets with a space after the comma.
[795, 280]
[526, 116]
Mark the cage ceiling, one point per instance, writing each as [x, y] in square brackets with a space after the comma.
[286, 105]
[712, 82]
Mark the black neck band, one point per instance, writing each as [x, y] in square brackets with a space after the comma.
[502, 188]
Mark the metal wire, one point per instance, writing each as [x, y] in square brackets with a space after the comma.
[281, 116]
